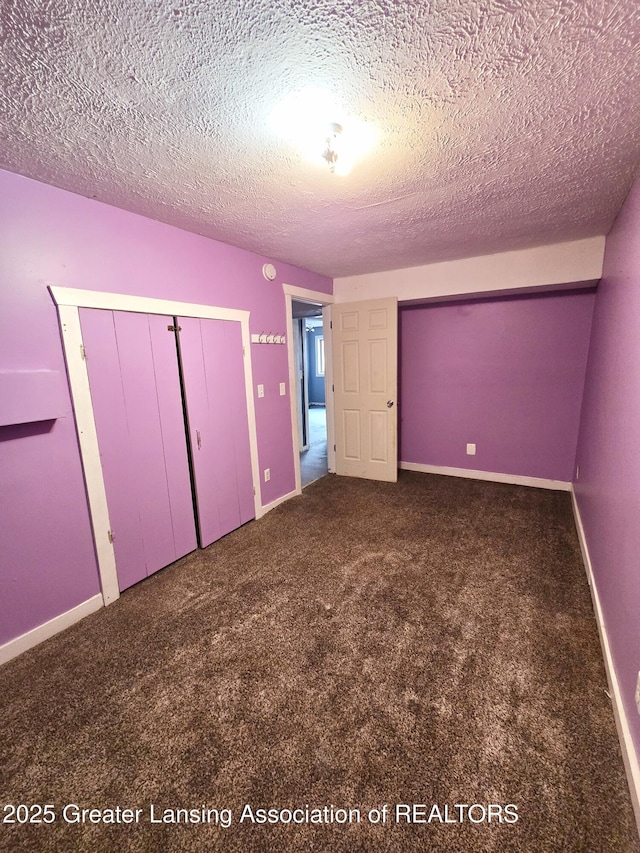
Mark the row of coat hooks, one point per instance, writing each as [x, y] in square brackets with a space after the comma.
[268, 338]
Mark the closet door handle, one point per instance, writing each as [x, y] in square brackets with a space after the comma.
[198, 439]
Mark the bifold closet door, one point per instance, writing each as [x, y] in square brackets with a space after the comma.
[137, 402]
[214, 385]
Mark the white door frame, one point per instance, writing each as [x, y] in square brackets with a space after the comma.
[313, 297]
[69, 301]
[302, 408]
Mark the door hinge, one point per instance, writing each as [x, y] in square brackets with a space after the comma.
[111, 536]
[333, 387]
[334, 448]
[174, 328]
[254, 490]
[83, 352]
[331, 324]
[244, 352]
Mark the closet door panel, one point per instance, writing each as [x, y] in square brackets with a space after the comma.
[213, 370]
[222, 491]
[135, 388]
[145, 435]
[204, 450]
[116, 452]
[173, 435]
[238, 422]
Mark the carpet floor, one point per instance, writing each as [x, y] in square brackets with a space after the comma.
[402, 667]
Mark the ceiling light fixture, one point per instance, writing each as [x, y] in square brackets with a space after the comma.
[306, 119]
[331, 152]
[346, 144]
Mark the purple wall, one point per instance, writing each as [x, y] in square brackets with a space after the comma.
[48, 236]
[608, 487]
[506, 374]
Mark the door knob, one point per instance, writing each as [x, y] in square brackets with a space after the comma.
[389, 404]
[198, 439]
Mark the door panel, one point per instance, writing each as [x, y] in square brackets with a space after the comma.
[377, 367]
[174, 440]
[135, 391]
[235, 403]
[378, 431]
[365, 347]
[352, 434]
[116, 451]
[213, 371]
[145, 435]
[350, 364]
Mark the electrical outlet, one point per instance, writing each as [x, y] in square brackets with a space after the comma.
[471, 450]
[283, 389]
[638, 693]
[260, 390]
[267, 474]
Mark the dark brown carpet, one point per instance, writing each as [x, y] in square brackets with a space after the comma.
[430, 642]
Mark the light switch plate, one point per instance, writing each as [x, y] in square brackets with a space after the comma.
[260, 390]
[283, 389]
[471, 450]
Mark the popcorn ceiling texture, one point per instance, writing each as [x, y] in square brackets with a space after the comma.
[501, 124]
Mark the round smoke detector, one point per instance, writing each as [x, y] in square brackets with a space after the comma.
[269, 272]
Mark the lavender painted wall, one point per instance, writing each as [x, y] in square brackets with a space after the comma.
[608, 488]
[48, 236]
[506, 374]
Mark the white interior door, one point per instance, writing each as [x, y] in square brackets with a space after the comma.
[365, 364]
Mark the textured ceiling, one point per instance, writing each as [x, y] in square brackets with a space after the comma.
[500, 124]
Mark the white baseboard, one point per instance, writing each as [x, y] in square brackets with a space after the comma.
[629, 755]
[268, 507]
[492, 477]
[43, 632]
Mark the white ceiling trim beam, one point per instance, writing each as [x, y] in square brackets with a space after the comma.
[577, 263]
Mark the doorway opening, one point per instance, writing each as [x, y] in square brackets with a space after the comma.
[310, 370]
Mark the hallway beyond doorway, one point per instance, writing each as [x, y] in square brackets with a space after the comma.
[313, 462]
